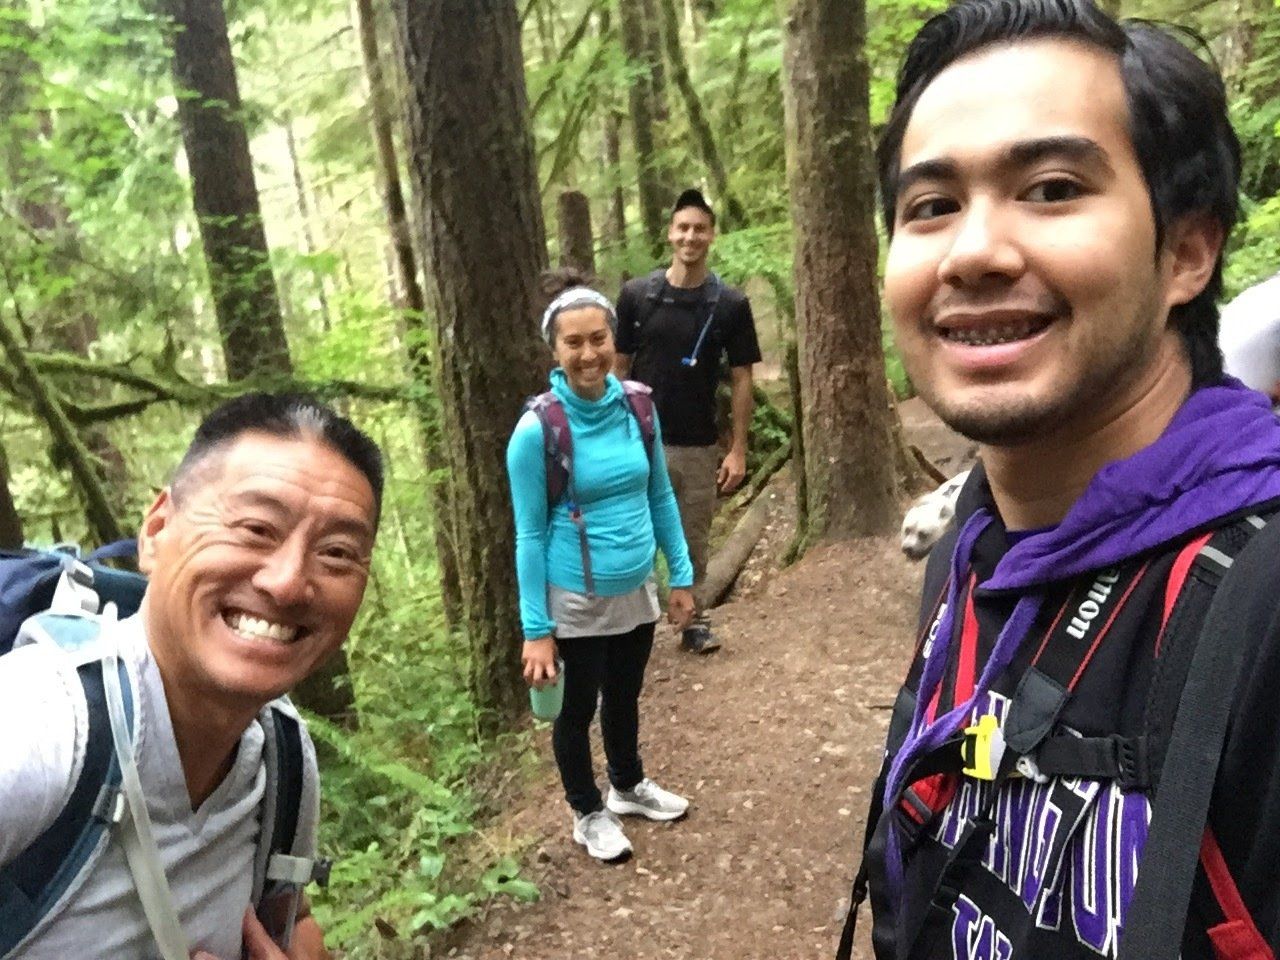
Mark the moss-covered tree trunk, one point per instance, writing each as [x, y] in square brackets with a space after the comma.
[225, 192]
[473, 170]
[417, 329]
[573, 223]
[851, 483]
[10, 521]
[655, 194]
[698, 123]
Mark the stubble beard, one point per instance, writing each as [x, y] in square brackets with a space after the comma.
[1000, 421]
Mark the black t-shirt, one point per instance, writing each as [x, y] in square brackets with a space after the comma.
[1057, 875]
[660, 335]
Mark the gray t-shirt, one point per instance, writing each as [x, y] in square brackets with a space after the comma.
[577, 615]
[207, 854]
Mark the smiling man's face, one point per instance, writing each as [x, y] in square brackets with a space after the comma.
[257, 573]
[1023, 276]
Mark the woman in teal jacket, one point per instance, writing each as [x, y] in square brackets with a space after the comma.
[602, 631]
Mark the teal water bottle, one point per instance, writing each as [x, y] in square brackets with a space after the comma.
[547, 701]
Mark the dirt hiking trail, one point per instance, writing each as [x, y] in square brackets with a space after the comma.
[775, 738]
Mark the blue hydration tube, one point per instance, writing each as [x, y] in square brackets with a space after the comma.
[692, 359]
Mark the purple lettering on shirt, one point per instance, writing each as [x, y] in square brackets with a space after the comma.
[1091, 889]
[974, 935]
[1135, 821]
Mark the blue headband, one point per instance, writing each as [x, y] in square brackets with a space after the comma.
[575, 297]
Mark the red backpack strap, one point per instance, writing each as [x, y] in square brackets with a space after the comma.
[557, 443]
[640, 402]
[1237, 937]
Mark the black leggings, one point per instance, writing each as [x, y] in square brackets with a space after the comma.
[611, 668]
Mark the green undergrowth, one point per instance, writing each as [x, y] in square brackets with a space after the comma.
[414, 795]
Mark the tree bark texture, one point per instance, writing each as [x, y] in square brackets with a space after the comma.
[702, 135]
[417, 329]
[304, 217]
[654, 194]
[10, 520]
[473, 167]
[577, 244]
[615, 222]
[852, 488]
[226, 195]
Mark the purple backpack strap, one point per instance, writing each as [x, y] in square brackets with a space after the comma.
[640, 400]
[557, 443]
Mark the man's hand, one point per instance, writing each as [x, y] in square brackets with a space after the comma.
[680, 607]
[307, 943]
[732, 470]
[539, 658]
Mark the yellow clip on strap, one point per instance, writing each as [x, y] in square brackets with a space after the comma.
[982, 748]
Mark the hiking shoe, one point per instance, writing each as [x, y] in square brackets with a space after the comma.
[647, 799]
[602, 835]
[699, 639]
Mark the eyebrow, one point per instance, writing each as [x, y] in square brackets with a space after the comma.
[1020, 154]
[346, 525]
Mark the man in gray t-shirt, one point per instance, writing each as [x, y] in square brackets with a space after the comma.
[258, 554]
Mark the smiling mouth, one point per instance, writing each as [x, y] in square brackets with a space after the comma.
[991, 334]
[261, 630]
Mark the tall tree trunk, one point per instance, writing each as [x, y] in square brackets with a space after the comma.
[226, 194]
[615, 223]
[304, 216]
[577, 244]
[413, 303]
[657, 75]
[250, 324]
[473, 167]
[654, 194]
[851, 484]
[10, 521]
[702, 134]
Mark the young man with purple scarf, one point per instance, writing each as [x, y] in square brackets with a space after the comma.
[1058, 188]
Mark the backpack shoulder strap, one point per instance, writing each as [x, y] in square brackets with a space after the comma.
[1180, 810]
[640, 403]
[654, 284]
[286, 858]
[557, 443]
[36, 885]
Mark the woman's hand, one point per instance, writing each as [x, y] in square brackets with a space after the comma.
[539, 658]
[680, 607]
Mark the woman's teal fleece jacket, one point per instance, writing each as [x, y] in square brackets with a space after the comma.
[628, 504]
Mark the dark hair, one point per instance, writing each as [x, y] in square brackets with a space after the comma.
[1188, 152]
[693, 198]
[286, 415]
[557, 281]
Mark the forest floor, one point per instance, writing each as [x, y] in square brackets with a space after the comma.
[775, 738]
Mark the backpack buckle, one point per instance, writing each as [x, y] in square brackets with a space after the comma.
[74, 593]
[1132, 768]
[982, 748]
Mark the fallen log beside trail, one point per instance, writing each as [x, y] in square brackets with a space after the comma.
[724, 567]
[756, 482]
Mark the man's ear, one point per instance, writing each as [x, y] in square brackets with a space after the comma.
[154, 522]
[1191, 251]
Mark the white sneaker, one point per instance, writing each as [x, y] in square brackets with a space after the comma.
[602, 835]
[649, 800]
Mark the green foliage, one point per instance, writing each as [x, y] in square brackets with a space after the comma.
[100, 256]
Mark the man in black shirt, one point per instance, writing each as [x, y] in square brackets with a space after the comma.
[1058, 188]
[675, 327]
